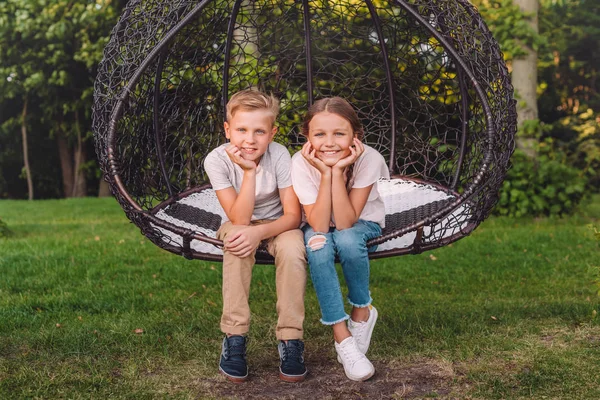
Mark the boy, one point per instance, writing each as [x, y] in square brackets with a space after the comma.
[251, 178]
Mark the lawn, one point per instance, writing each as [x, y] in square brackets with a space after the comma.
[91, 309]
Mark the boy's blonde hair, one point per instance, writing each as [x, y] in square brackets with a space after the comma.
[252, 100]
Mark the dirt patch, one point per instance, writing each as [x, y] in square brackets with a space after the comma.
[326, 380]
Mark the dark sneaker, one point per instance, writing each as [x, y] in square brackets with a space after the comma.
[233, 358]
[291, 366]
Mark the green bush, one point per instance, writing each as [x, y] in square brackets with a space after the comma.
[4, 231]
[540, 187]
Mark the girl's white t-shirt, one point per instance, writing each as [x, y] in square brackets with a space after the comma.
[368, 169]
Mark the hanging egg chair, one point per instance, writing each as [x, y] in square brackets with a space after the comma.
[426, 77]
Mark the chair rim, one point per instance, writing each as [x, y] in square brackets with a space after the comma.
[189, 235]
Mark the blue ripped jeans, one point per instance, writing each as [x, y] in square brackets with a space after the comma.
[350, 245]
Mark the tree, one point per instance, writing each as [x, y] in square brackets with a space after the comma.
[524, 78]
[569, 90]
[49, 51]
[514, 24]
[20, 73]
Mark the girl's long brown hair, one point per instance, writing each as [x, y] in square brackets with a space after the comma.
[339, 106]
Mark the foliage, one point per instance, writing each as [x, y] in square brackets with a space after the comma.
[4, 229]
[542, 186]
[48, 54]
[510, 27]
[568, 46]
[43, 158]
[596, 232]
[584, 147]
[568, 71]
[49, 51]
[570, 64]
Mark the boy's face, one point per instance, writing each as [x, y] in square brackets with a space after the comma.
[251, 132]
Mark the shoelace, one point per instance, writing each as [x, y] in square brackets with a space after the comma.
[293, 349]
[358, 330]
[235, 350]
[352, 353]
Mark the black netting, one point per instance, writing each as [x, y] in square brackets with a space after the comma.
[426, 77]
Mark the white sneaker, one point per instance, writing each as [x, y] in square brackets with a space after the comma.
[356, 365]
[362, 331]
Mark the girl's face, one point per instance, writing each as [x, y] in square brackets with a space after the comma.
[331, 136]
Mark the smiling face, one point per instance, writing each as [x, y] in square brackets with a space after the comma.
[251, 132]
[331, 136]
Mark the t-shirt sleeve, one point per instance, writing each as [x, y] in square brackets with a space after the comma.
[217, 171]
[305, 188]
[370, 168]
[284, 169]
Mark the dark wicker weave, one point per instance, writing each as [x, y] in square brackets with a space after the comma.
[427, 78]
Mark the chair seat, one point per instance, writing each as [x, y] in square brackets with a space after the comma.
[406, 202]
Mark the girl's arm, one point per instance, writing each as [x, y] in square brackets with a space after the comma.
[318, 215]
[347, 207]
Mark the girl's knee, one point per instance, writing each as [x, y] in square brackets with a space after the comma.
[320, 250]
[349, 240]
[316, 242]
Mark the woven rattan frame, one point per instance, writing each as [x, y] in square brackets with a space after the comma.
[427, 78]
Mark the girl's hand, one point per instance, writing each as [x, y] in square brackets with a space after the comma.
[309, 154]
[355, 152]
[235, 155]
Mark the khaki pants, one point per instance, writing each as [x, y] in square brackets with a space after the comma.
[290, 271]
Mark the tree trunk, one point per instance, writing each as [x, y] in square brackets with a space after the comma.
[66, 163]
[26, 151]
[103, 188]
[524, 79]
[79, 182]
[80, 189]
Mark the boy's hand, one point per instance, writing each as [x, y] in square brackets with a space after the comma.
[243, 242]
[235, 155]
[309, 153]
[355, 152]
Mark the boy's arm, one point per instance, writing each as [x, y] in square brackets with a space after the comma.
[239, 206]
[246, 240]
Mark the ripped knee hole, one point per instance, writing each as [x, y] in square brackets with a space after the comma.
[317, 242]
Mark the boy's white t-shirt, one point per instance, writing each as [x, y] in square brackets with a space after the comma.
[272, 174]
[368, 169]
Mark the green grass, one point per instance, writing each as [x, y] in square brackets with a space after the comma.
[510, 310]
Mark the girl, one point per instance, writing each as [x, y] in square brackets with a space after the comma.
[335, 177]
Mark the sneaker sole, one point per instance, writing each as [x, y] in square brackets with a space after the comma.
[360, 379]
[292, 378]
[234, 379]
